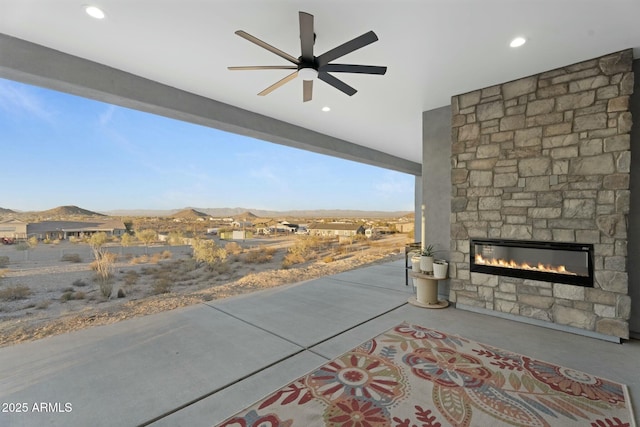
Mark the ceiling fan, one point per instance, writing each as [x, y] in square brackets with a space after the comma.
[309, 66]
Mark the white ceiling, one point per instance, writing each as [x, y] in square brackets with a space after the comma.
[433, 49]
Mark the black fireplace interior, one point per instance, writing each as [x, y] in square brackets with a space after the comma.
[570, 263]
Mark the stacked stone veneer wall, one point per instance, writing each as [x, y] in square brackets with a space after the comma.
[545, 158]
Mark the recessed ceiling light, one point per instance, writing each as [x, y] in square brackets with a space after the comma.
[517, 42]
[326, 109]
[94, 12]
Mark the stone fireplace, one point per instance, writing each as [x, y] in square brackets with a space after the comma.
[546, 159]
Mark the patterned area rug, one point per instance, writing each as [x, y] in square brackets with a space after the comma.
[411, 376]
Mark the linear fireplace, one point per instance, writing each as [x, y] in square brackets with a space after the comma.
[570, 263]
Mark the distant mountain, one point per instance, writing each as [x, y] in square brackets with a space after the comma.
[67, 211]
[240, 212]
[189, 214]
[4, 211]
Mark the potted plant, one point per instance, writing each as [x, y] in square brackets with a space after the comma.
[426, 259]
[440, 268]
[415, 264]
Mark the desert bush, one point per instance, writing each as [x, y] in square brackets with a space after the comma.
[79, 283]
[105, 285]
[328, 259]
[233, 248]
[22, 246]
[69, 295]
[291, 259]
[126, 239]
[3, 273]
[13, 293]
[306, 247]
[4, 261]
[155, 258]
[142, 259]
[42, 305]
[207, 251]
[131, 277]
[176, 238]
[147, 236]
[221, 267]
[121, 293]
[71, 258]
[32, 242]
[258, 256]
[103, 264]
[161, 286]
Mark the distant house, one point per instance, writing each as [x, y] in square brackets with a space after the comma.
[236, 235]
[63, 230]
[13, 229]
[405, 227]
[335, 229]
[241, 224]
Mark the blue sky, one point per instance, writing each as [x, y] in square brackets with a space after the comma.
[61, 149]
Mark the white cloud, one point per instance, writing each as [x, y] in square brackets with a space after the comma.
[105, 118]
[15, 98]
[394, 184]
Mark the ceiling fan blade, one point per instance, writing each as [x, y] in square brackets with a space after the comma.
[307, 90]
[279, 83]
[267, 46]
[347, 68]
[337, 83]
[348, 47]
[264, 67]
[306, 36]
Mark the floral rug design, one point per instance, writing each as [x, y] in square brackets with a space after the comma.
[411, 376]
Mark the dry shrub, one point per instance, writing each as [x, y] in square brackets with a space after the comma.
[258, 257]
[4, 261]
[161, 286]
[220, 267]
[13, 293]
[104, 264]
[71, 258]
[142, 259]
[291, 259]
[233, 248]
[105, 284]
[42, 305]
[79, 283]
[328, 259]
[131, 277]
[70, 295]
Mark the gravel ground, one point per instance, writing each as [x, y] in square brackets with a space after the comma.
[62, 296]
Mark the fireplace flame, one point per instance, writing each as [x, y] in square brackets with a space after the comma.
[493, 262]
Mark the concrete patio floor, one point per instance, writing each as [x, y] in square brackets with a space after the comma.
[199, 365]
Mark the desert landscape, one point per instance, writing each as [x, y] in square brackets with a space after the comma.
[52, 288]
